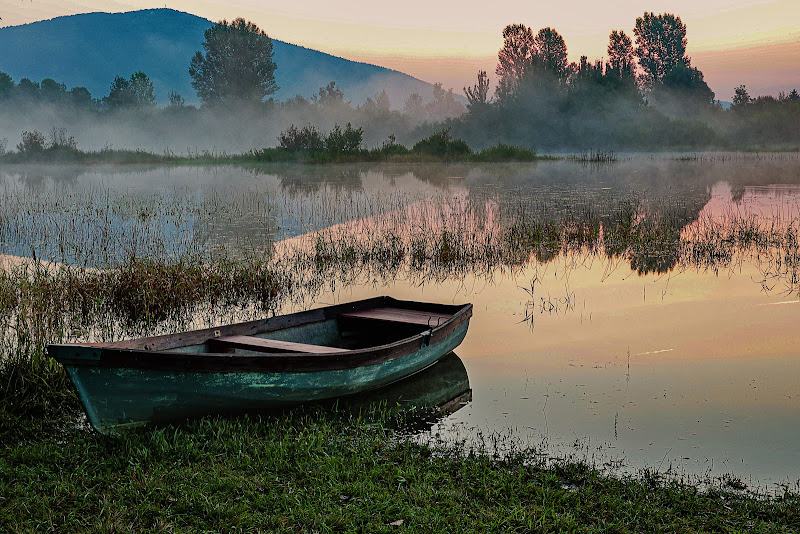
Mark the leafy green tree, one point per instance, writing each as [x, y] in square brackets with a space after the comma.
[52, 92]
[687, 83]
[478, 94]
[133, 93]
[444, 104]
[176, 100]
[383, 102]
[142, 91]
[80, 97]
[442, 144]
[585, 72]
[741, 98]
[27, 90]
[237, 66]
[660, 45]
[381, 105]
[296, 102]
[32, 143]
[119, 94]
[515, 60]
[59, 139]
[345, 141]
[588, 87]
[621, 57]
[794, 96]
[414, 106]
[552, 52]
[6, 86]
[307, 138]
[329, 96]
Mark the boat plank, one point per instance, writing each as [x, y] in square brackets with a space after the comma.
[399, 315]
[269, 345]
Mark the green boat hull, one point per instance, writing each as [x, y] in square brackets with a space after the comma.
[121, 396]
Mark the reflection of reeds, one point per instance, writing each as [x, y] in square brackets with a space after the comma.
[595, 156]
[132, 264]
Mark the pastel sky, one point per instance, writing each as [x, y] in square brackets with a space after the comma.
[755, 42]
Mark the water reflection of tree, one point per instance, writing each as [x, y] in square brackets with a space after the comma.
[38, 177]
[480, 234]
[307, 178]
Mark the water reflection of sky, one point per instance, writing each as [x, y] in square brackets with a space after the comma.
[694, 369]
[691, 370]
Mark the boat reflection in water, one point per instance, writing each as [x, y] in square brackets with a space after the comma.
[418, 401]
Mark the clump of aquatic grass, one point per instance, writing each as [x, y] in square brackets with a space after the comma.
[148, 290]
[45, 303]
[453, 237]
[769, 243]
[96, 226]
[504, 152]
[45, 299]
[595, 156]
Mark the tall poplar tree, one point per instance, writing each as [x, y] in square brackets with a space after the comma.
[660, 45]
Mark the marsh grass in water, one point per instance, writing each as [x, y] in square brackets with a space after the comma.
[53, 304]
[452, 237]
[153, 265]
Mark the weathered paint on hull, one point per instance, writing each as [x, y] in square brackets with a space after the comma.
[115, 397]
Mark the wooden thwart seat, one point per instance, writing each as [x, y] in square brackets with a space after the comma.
[399, 315]
[260, 344]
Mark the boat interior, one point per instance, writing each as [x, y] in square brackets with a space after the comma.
[342, 332]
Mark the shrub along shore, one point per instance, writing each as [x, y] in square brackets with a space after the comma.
[297, 145]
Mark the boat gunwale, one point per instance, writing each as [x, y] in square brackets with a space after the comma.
[117, 355]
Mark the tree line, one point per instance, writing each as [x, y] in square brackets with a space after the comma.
[646, 93]
[236, 68]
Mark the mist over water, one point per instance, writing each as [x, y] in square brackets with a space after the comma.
[682, 362]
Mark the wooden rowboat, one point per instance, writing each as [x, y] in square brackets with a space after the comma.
[264, 364]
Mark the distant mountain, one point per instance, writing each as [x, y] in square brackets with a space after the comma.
[91, 49]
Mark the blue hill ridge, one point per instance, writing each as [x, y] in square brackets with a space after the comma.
[90, 49]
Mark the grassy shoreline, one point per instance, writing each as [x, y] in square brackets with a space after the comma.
[441, 150]
[315, 472]
[268, 156]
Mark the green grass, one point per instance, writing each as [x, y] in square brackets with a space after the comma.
[317, 473]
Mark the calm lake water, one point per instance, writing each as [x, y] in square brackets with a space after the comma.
[689, 367]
